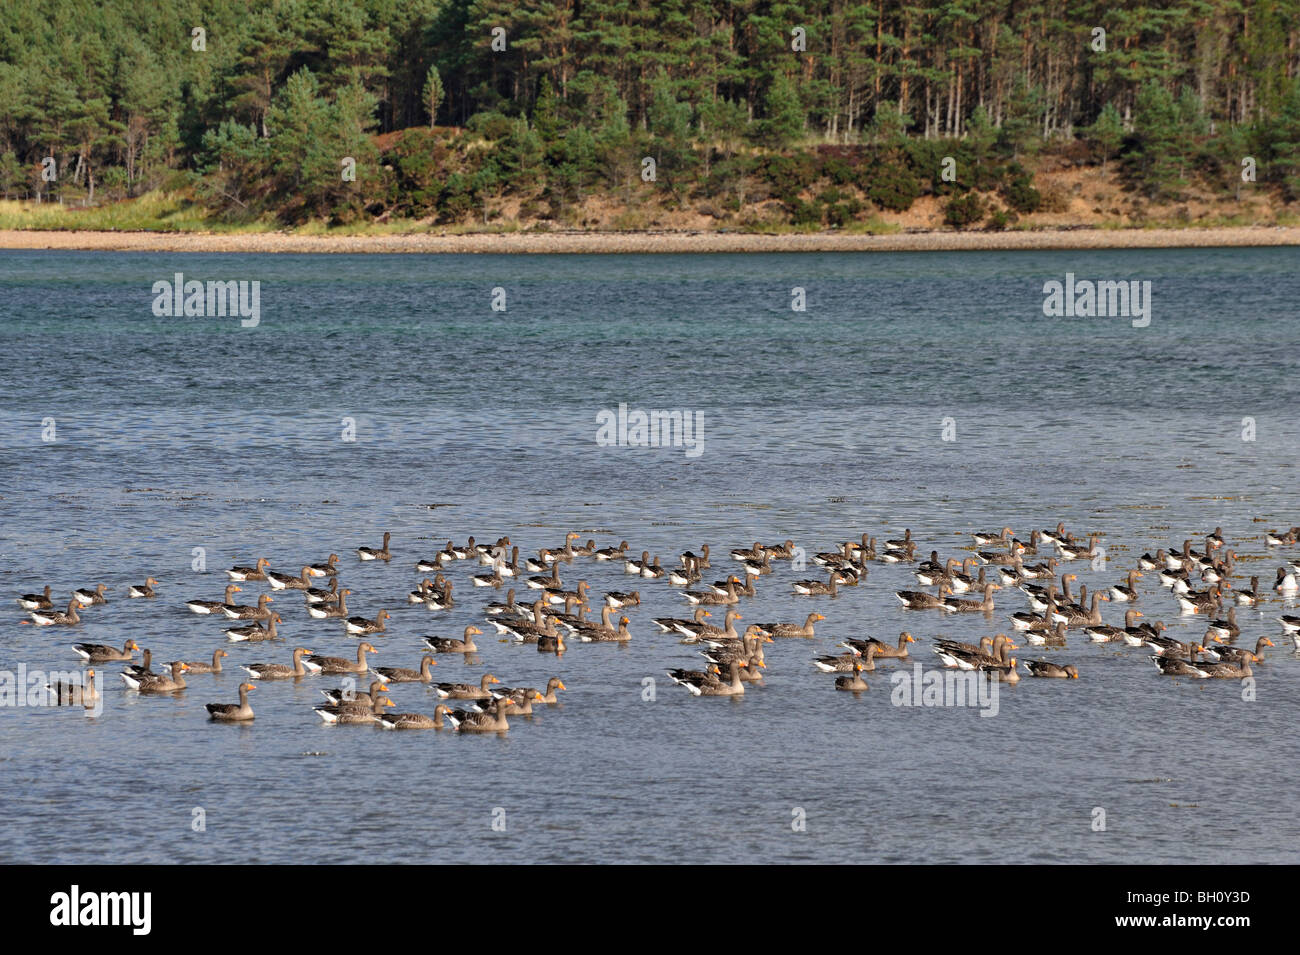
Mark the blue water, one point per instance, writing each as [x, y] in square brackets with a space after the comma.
[181, 433]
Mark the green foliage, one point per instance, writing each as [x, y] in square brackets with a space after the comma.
[964, 210]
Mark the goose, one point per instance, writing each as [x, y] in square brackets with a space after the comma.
[344, 715]
[958, 605]
[1285, 539]
[257, 572]
[50, 618]
[988, 537]
[920, 600]
[749, 649]
[239, 712]
[521, 699]
[619, 599]
[549, 697]
[341, 695]
[280, 671]
[327, 569]
[1072, 551]
[1143, 633]
[895, 556]
[819, 588]
[611, 553]
[1286, 581]
[753, 553]
[714, 599]
[526, 629]
[1249, 598]
[1236, 654]
[494, 579]
[793, 629]
[709, 682]
[901, 543]
[1045, 668]
[1100, 633]
[1174, 664]
[601, 635]
[1028, 622]
[370, 553]
[74, 691]
[724, 587]
[1004, 672]
[404, 675]
[451, 645]
[493, 720]
[933, 573]
[1047, 638]
[92, 598]
[1149, 562]
[506, 608]
[1167, 646]
[844, 663]
[255, 632]
[320, 664]
[360, 625]
[693, 631]
[552, 582]
[213, 667]
[686, 575]
[206, 607]
[1014, 552]
[654, 570]
[324, 611]
[549, 644]
[1202, 602]
[964, 657]
[317, 595]
[883, 650]
[753, 568]
[1216, 538]
[467, 691]
[633, 566]
[563, 596]
[285, 582]
[1126, 592]
[853, 683]
[1057, 536]
[1226, 628]
[1290, 623]
[442, 599]
[427, 566]
[39, 601]
[1076, 616]
[101, 653]
[1237, 670]
[244, 612]
[145, 590]
[156, 682]
[415, 721]
[701, 560]
[1045, 570]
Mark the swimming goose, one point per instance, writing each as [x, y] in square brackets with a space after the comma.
[749, 648]
[506, 608]
[1047, 638]
[441, 599]
[903, 543]
[317, 595]
[245, 612]
[239, 712]
[958, 605]
[50, 618]
[793, 629]
[213, 667]
[36, 601]
[920, 600]
[882, 649]
[1045, 668]
[551, 644]
[145, 590]
[100, 653]
[214, 606]
[319, 664]
[1004, 672]
[1237, 670]
[1249, 598]
[695, 632]
[715, 599]
[1101, 633]
[654, 570]
[451, 645]
[344, 715]
[611, 553]
[709, 682]
[753, 553]
[1073, 551]
[415, 721]
[327, 569]
[1126, 592]
[563, 596]
[492, 720]
[1180, 664]
[280, 671]
[1028, 622]
[601, 635]
[819, 588]
[91, 598]
[1286, 581]
[250, 573]
[965, 657]
[255, 632]
[988, 537]
[933, 572]
[145, 666]
[619, 599]
[285, 582]
[341, 695]
[427, 566]
[853, 683]
[552, 582]
[1285, 539]
[404, 675]
[370, 553]
[724, 587]
[686, 575]
[1203, 602]
[1236, 654]
[1015, 551]
[780, 551]
[521, 699]
[1149, 562]
[74, 691]
[329, 611]
[896, 556]
[1226, 628]
[1078, 617]
[156, 682]
[844, 663]
[1057, 536]
[678, 625]
[360, 625]
[467, 691]
[753, 568]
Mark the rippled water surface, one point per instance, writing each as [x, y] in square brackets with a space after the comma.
[181, 433]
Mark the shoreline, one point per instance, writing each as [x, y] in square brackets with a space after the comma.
[650, 242]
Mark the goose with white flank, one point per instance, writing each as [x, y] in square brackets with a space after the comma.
[286, 582]
[465, 644]
[245, 612]
[257, 572]
[376, 553]
[256, 632]
[143, 590]
[102, 653]
[320, 664]
[327, 569]
[62, 618]
[92, 598]
[280, 671]
[330, 611]
[239, 712]
[39, 601]
[361, 626]
[206, 607]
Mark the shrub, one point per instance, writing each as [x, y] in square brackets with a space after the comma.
[964, 210]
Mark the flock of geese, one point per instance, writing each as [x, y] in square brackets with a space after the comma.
[1199, 581]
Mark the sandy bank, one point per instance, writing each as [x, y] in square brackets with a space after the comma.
[652, 242]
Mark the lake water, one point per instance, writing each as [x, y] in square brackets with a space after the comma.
[176, 433]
